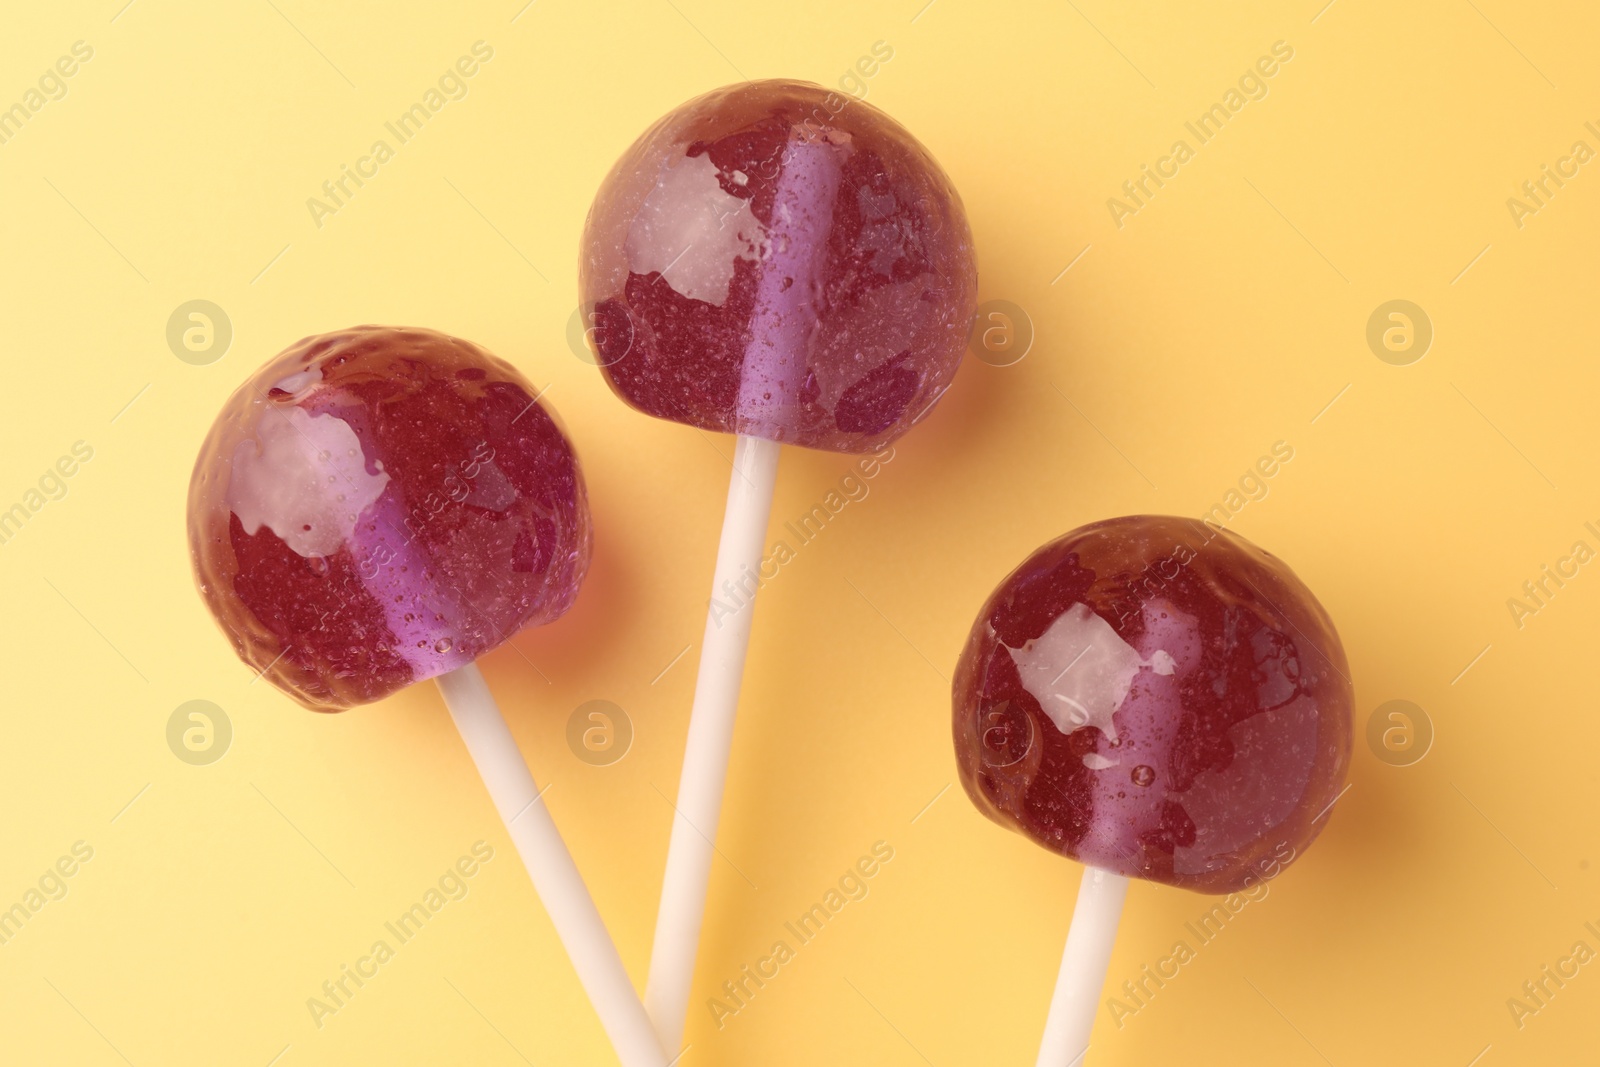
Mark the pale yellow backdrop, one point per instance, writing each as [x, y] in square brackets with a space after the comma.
[1227, 314]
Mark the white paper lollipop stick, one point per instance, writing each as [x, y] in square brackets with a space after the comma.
[705, 759]
[550, 865]
[1083, 968]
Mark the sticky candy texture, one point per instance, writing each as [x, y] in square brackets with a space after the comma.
[380, 505]
[1158, 698]
[776, 260]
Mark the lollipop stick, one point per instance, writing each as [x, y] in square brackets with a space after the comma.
[1083, 968]
[705, 759]
[550, 865]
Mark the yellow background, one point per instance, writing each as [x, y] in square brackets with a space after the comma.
[1223, 317]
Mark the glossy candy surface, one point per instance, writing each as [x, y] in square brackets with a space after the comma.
[380, 505]
[1158, 698]
[776, 260]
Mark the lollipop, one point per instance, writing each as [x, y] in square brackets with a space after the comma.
[785, 264]
[1156, 699]
[379, 506]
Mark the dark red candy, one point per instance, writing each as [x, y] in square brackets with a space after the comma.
[1158, 698]
[777, 260]
[380, 505]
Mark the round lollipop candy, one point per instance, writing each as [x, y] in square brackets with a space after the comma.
[1156, 699]
[789, 265]
[379, 506]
